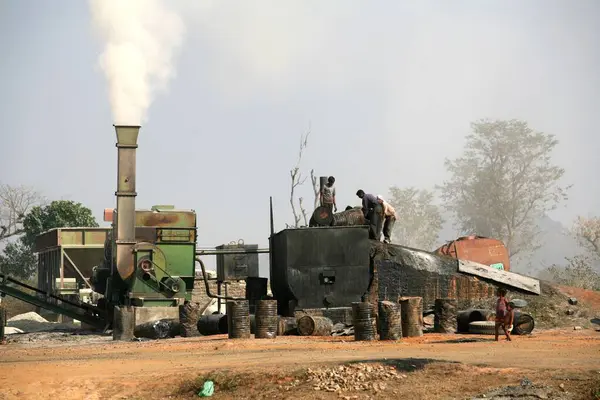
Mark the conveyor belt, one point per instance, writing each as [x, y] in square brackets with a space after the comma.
[86, 313]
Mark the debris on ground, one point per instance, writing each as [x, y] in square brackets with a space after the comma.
[351, 377]
[33, 322]
[341, 329]
[527, 391]
[573, 301]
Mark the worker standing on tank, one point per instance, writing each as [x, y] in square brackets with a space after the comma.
[389, 219]
[328, 195]
[373, 212]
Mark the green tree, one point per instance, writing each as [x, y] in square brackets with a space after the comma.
[503, 183]
[419, 220]
[19, 259]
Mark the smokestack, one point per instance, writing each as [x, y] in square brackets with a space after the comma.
[322, 182]
[127, 136]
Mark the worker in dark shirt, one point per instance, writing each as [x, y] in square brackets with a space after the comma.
[373, 212]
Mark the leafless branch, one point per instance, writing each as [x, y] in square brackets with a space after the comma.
[15, 203]
[303, 211]
[298, 180]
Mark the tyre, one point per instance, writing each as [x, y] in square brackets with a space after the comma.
[482, 327]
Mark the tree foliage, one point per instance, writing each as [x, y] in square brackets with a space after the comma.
[504, 182]
[587, 233]
[18, 258]
[579, 272]
[15, 203]
[419, 220]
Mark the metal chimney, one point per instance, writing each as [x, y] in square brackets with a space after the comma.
[322, 182]
[125, 225]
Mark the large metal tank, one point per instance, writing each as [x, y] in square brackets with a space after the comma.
[319, 267]
[483, 250]
[404, 271]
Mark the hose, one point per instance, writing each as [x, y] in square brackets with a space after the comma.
[208, 292]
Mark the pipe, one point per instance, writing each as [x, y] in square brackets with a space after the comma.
[212, 252]
[127, 136]
[322, 183]
[208, 292]
[271, 215]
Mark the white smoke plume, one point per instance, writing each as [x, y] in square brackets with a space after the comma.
[142, 38]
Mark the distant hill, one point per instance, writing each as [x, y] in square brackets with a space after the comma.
[557, 244]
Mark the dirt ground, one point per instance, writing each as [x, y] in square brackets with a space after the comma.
[431, 367]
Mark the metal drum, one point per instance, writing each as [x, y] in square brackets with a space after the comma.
[362, 320]
[266, 319]
[390, 321]
[238, 319]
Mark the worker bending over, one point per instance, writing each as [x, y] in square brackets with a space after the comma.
[389, 218]
[373, 212]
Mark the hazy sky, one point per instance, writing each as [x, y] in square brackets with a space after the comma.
[389, 89]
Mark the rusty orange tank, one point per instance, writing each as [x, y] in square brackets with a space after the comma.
[487, 251]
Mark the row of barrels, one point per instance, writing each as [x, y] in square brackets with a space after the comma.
[389, 320]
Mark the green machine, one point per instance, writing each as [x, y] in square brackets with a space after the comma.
[149, 255]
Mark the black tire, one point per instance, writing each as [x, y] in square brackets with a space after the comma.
[482, 327]
[523, 324]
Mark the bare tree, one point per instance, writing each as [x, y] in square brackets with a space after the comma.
[298, 180]
[15, 203]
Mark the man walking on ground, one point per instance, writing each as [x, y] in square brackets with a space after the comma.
[389, 218]
[373, 212]
[328, 195]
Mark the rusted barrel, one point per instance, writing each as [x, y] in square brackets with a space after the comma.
[412, 316]
[188, 317]
[351, 217]
[445, 316]
[214, 324]
[123, 323]
[364, 328]
[390, 321]
[322, 216]
[287, 326]
[309, 325]
[266, 319]
[238, 319]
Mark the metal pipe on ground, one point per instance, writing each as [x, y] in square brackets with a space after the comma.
[467, 316]
[214, 324]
